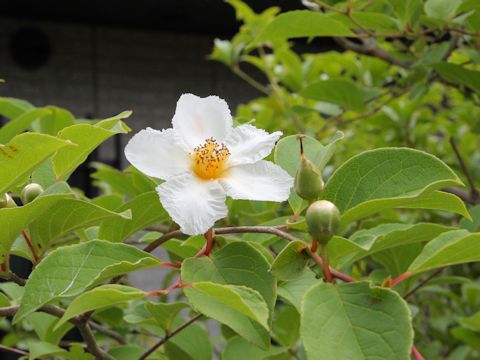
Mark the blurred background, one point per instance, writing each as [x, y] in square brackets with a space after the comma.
[98, 58]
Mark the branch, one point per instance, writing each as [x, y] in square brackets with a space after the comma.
[90, 341]
[168, 336]
[474, 194]
[58, 312]
[370, 49]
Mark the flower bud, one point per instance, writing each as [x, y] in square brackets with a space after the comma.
[6, 201]
[308, 180]
[323, 220]
[30, 192]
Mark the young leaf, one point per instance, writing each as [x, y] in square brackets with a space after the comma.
[146, 210]
[355, 321]
[12, 108]
[450, 248]
[14, 220]
[301, 23]
[20, 123]
[291, 261]
[98, 298]
[23, 154]
[386, 174]
[82, 266]
[87, 137]
[66, 216]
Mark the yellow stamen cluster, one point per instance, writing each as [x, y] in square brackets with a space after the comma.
[209, 159]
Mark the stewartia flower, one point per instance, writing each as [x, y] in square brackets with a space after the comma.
[203, 158]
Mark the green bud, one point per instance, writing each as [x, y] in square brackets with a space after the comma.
[6, 201]
[323, 220]
[30, 192]
[308, 180]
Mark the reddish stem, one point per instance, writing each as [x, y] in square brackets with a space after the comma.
[401, 278]
[177, 285]
[314, 246]
[416, 354]
[336, 274]
[3, 267]
[201, 252]
[209, 236]
[325, 266]
[175, 265]
[32, 249]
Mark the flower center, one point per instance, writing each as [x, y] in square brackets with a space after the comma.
[209, 159]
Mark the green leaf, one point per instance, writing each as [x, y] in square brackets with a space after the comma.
[165, 314]
[301, 23]
[355, 321]
[337, 91]
[408, 11]
[14, 220]
[43, 324]
[367, 242]
[291, 261]
[20, 123]
[192, 343]
[457, 74]
[38, 349]
[294, 290]
[12, 108]
[286, 325]
[146, 210]
[472, 322]
[220, 302]
[238, 348]
[87, 137]
[126, 352]
[237, 263]
[55, 120]
[23, 154]
[472, 225]
[441, 9]
[376, 21]
[435, 200]
[82, 266]
[66, 216]
[98, 298]
[450, 248]
[287, 155]
[386, 174]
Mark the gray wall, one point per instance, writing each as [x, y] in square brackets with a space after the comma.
[102, 71]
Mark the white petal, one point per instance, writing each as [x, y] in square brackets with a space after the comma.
[157, 153]
[260, 181]
[248, 144]
[194, 204]
[197, 119]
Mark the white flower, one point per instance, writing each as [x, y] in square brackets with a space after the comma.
[203, 158]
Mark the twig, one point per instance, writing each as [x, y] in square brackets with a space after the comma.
[423, 282]
[251, 81]
[30, 246]
[152, 246]
[168, 336]
[475, 195]
[14, 350]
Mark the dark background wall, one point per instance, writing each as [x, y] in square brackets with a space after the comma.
[98, 58]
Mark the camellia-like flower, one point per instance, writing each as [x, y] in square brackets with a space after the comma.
[203, 158]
